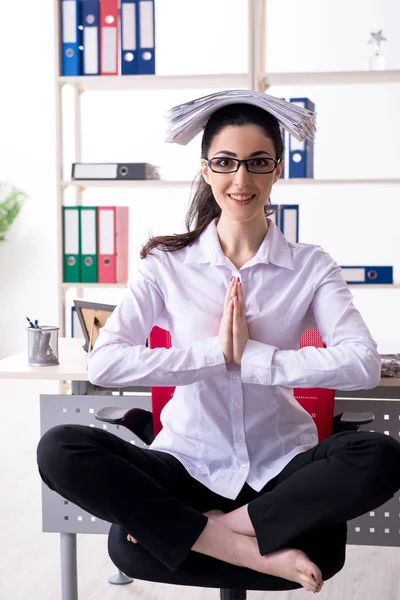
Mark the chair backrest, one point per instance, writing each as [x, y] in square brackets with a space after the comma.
[159, 338]
[318, 402]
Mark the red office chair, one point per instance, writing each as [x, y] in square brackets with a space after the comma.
[198, 569]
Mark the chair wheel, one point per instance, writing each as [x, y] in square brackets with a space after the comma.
[119, 579]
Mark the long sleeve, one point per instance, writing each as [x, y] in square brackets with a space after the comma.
[120, 357]
[350, 361]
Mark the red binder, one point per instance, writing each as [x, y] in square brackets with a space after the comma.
[109, 37]
[121, 243]
[106, 244]
[159, 338]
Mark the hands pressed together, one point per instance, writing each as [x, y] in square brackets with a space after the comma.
[233, 331]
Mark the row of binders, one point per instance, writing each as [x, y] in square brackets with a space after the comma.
[95, 244]
[299, 156]
[107, 37]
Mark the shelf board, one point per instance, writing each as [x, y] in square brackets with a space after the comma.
[226, 80]
[125, 183]
[81, 286]
[374, 285]
[157, 82]
[310, 181]
[149, 183]
[332, 77]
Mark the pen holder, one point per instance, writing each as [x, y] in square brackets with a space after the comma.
[43, 346]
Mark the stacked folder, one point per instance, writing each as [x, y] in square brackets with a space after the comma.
[95, 244]
[187, 120]
[98, 38]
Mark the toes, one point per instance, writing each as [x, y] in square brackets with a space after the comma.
[316, 575]
[310, 588]
[318, 586]
[308, 583]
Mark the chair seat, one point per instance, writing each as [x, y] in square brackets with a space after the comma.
[196, 570]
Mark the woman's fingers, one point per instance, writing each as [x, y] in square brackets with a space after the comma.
[229, 292]
[226, 327]
[240, 297]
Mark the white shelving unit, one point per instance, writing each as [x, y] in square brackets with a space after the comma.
[256, 78]
[98, 84]
[150, 183]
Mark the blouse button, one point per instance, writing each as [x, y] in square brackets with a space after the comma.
[236, 376]
[209, 360]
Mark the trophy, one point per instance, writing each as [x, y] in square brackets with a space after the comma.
[377, 61]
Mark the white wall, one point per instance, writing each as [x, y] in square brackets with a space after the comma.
[358, 129]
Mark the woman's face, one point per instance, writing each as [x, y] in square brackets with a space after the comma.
[241, 142]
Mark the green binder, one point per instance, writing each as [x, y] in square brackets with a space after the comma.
[71, 244]
[88, 244]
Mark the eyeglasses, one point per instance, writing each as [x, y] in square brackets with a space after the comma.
[223, 164]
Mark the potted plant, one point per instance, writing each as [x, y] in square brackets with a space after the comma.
[11, 201]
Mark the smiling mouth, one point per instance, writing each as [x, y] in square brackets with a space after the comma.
[241, 198]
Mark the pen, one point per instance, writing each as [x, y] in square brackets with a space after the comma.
[30, 323]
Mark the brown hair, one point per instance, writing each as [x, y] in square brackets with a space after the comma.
[203, 208]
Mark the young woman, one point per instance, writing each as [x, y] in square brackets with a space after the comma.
[237, 472]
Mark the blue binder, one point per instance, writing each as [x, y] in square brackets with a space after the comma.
[129, 37]
[287, 219]
[146, 57]
[301, 154]
[368, 274]
[91, 37]
[71, 38]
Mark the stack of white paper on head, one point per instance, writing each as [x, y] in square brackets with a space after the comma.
[185, 121]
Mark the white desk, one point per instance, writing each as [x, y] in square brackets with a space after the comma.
[73, 367]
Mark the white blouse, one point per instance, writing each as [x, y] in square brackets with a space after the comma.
[229, 424]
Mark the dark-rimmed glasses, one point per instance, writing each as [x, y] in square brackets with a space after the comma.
[224, 164]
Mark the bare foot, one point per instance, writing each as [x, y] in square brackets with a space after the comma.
[293, 565]
[289, 563]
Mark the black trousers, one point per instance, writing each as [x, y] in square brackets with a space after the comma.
[151, 495]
